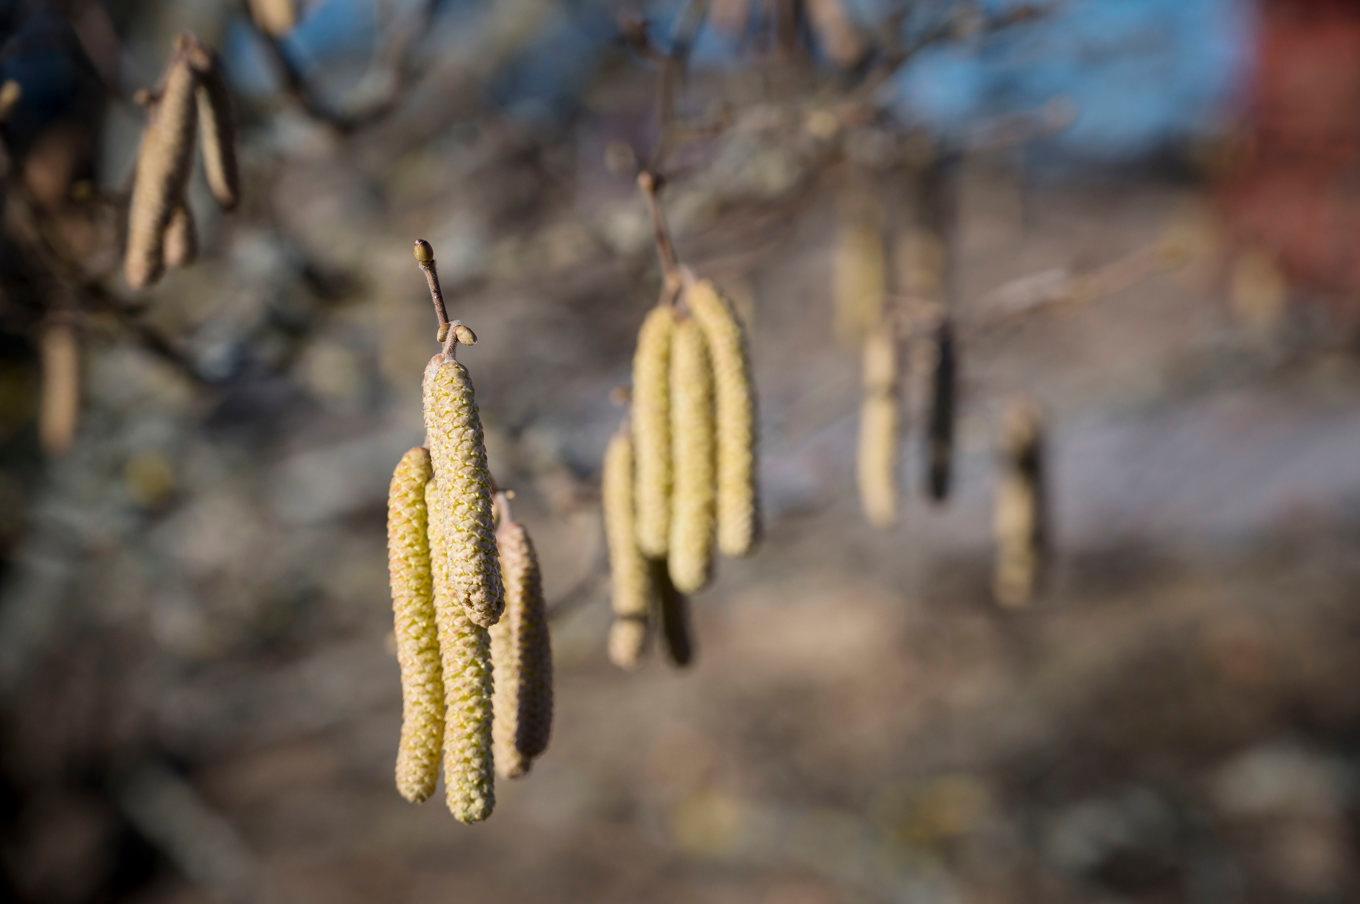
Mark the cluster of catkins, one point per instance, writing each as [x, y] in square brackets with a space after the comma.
[192, 100]
[680, 474]
[470, 621]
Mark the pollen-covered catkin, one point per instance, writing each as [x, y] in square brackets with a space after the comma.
[880, 429]
[217, 130]
[1021, 511]
[630, 584]
[163, 164]
[465, 654]
[693, 516]
[181, 238]
[652, 430]
[414, 628]
[673, 613]
[454, 434]
[734, 392]
[940, 432]
[522, 654]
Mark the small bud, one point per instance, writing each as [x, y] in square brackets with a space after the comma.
[423, 252]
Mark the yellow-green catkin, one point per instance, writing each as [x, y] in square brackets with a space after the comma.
[181, 238]
[454, 435]
[940, 422]
[465, 654]
[1021, 511]
[414, 628]
[652, 430]
[522, 654]
[673, 613]
[880, 428]
[860, 267]
[693, 448]
[630, 584]
[163, 164]
[217, 130]
[735, 400]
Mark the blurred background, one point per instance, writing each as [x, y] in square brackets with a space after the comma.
[1150, 216]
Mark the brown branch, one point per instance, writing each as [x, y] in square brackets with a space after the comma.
[650, 184]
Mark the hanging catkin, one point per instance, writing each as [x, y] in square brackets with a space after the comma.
[454, 432]
[693, 518]
[1021, 531]
[217, 130]
[276, 17]
[652, 430]
[465, 653]
[860, 267]
[940, 433]
[163, 164]
[738, 503]
[415, 628]
[59, 413]
[673, 614]
[181, 238]
[630, 584]
[522, 654]
[880, 429]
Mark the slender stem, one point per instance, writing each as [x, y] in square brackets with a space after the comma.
[650, 184]
[424, 254]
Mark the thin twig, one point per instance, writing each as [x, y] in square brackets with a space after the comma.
[650, 184]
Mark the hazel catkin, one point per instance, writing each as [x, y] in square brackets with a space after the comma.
[59, 412]
[652, 430]
[181, 238]
[522, 657]
[1020, 518]
[465, 655]
[735, 400]
[454, 435]
[940, 423]
[693, 518]
[630, 583]
[414, 628]
[880, 429]
[217, 129]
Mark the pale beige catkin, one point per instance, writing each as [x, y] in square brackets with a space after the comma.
[465, 655]
[630, 584]
[59, 413]
[276, 17]
[693, 446]
[415, 628]
[454, 434]
[860, 268]
[181, 238]
[652, 430]
[522, 653]
[1021, 513]
[880, 428]
[217, 130]
[737, 495]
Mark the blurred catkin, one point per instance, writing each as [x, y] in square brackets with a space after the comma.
[880, 428]
[59, 413]
[737, 501]
[673, 613]
[652, 430]
[217, 130]
[522, 653]
[276, 17]
[465, 654]
[454, 435]
[860, 268]
[693, 442]
[181, 238]
[163, 164]
[630, 585]
[414, 628]
[940, 424]
[1021, 509]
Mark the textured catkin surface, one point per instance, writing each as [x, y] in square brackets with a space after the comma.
[415, 628]
[1019, 523]
[880, 428]
[217, 132]
[163, 164]
[940, 435]
[735, 407]
[630, 583]
[454, 434]
[465, 653]
[181, 238]
[522, 653]
[693, 516]
[652, 430]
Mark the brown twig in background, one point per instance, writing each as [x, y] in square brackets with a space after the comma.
[650, 184]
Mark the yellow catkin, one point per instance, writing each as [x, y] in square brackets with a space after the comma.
[734, 392]
[181, 238]
[693, 442]
[522, 653]
[217, 130]
[1020, 516]
[414, 628]
[652, 430]
[465, 654]
[454, 435]
[59, 413]
[673, 614]
[940, 423]
[860, 268]
[880, 428]
[276, 17]
[630, 584]
[163, 164]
